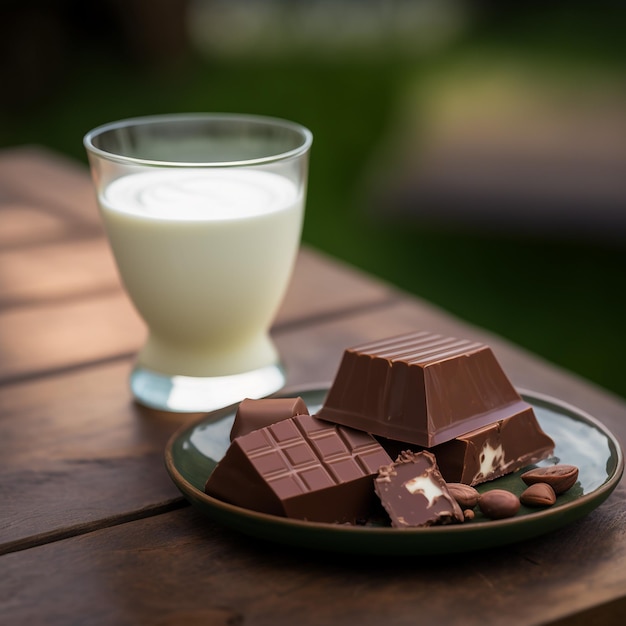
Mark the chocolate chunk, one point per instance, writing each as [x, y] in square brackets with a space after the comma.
[488, 452]
[253, 414]
[420, 388]
[494, 450]
[301, 467]
[413, 492]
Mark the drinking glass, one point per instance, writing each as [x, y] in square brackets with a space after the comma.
[203, 213]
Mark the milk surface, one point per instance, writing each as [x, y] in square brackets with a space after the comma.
[206, 256]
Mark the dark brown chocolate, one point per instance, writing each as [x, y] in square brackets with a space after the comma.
[253, 414]
[420, 388]
[488, 452]
[413, 492]
[494, 450]
[303, 468]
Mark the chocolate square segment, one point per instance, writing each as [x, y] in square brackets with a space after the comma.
[420, 388]
[299, 454]
[328, 447]
[284, 432]
[303, 468]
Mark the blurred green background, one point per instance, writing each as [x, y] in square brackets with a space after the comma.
[471, 154]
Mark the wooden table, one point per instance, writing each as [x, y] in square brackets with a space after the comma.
[93, 531]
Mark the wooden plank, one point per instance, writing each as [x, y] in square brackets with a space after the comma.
[67, 269]
[322, 287]
[179, 568]
[63, 333]
[22, 225]
[42, 178]
[76, 449]
[51, 271]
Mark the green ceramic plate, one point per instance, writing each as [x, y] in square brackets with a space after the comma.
[192, 453]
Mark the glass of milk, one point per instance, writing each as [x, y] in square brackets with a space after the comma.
[204, 216]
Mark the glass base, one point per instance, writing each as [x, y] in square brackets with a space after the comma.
[187, 394]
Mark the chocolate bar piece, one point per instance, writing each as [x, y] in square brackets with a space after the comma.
[486, 453]
[420, 388]
[301, 467]
[413, 492]
[494, 450]
[253, 414]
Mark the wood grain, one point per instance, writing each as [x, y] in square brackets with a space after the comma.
[22, 225]
[42, 339]
[181, 568]
[64, 306]
[58, 271]
[48, 181]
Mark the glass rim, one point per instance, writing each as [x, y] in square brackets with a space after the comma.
[305, 134]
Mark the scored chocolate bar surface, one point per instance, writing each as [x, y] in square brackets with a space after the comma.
[413, 492]
[253, 414]
[420, 388]
[301, 467]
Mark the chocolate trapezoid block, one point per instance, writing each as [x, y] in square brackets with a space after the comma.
[301, 467]
[421, 388]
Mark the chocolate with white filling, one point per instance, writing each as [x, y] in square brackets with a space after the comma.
[494, 450]
[489, 452]
[414, 494]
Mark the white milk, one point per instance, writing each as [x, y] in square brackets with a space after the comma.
[205, 256]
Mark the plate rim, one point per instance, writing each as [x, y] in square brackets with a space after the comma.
[599, 494]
